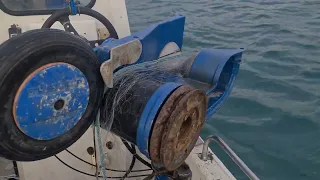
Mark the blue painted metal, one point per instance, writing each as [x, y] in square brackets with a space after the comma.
[73, 7]
[153, 39]
[161, 177]
[209, 63]
[216, 67]
[215, 103]
[149, 114]
[219, 68]
[34, 110]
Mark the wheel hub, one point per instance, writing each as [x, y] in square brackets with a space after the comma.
[51, 101]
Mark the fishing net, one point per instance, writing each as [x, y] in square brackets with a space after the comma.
[133, 87]
[134, 84]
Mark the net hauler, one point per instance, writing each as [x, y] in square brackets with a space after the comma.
[161, 106]
[53, 83]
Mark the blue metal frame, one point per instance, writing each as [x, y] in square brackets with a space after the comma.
[153, 39]
[216, 67]
[161, 177]
[219, 68]
[149, 114]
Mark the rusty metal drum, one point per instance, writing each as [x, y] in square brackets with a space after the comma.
[156, 111]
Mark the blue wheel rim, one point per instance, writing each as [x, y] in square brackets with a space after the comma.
[51, 101]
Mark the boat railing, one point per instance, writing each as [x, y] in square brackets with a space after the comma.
[236, 159]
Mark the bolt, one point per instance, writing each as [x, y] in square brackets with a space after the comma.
[58, 105]
[109, 145]
[90, 150]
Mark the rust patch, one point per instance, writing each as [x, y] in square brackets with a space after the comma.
[161, 122]
[178, 127]
[182, 129]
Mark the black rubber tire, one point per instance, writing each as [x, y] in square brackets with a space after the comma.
[20, 56]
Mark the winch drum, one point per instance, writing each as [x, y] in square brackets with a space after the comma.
[162, 118]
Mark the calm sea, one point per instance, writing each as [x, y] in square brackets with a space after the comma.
[272, 117]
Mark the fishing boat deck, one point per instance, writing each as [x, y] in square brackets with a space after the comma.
[116, 158]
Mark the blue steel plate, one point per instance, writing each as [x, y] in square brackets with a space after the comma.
[51, 101]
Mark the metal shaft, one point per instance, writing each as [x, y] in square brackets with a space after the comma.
[230, 152]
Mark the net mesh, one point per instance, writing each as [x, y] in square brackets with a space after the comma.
[142, 76]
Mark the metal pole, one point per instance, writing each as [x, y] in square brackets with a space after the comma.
[230, 152]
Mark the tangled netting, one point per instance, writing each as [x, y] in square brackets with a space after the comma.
[134, 85]
[149, 75]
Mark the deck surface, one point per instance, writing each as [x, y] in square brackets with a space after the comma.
[117, 158]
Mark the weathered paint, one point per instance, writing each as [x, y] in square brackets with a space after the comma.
[219, 69]
[183, 128]
[149, 114]
[153, 39]
[161, 122]
[33, 107]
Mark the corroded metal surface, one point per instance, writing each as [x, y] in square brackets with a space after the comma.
[161, 122]
[183, 172]
[183, 129]
[177, 127]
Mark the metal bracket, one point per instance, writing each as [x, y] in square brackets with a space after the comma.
[161, 39]
[124, 54]
[230, 152]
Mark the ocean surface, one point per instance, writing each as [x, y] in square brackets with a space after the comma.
[272, 117]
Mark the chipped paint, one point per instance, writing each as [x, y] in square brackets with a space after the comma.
[35, 112]
[177, 127]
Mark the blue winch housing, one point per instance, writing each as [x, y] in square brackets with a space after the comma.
[210, 70]
[216, 68]
[153, 40]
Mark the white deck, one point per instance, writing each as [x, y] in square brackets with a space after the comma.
[117, 158]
